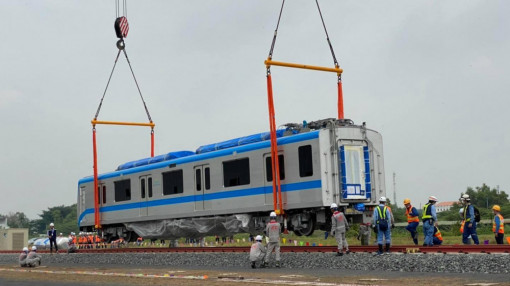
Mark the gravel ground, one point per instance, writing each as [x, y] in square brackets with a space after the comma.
[436, 263]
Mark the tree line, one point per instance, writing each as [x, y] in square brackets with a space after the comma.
[64, 218]
[482, 197]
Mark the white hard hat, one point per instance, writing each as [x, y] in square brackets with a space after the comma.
[433, 198]
[334, 206]
[466, 197]
[25, 249]
[258, 238]
[51, 224]
[272, 214]
[34, 248]
[72, 233]
[382, 199]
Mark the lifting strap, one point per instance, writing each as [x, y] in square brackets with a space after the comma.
[121, 29]
[277, 194]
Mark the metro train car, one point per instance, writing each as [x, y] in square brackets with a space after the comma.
[226, 187]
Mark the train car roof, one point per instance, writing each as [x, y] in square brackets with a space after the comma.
[220, 150]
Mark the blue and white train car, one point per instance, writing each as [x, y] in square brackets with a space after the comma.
[226, 187]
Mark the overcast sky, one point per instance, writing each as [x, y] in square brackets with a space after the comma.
[431, 76]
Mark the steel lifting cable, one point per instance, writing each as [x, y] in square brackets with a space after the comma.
[327, 36]
[270, 56]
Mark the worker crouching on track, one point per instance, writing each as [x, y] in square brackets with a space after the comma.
[429, 218]
[339, 227]
[498, 225]
[273, 231]
[257, 252]
[364, 233]
[438, 238]
[23, 257]
[71, 245]
[33, 259]
[382, 221]
[412, 220]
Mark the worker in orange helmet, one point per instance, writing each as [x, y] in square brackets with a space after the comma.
[413, 220]
[498, 225]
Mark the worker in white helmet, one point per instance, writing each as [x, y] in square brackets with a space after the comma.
[339, 227]
[468, 214]
[429, 219]
[23, 257]
[382, 222]
[52, 236]
[273, 231]
[33, 259]
[257, 252]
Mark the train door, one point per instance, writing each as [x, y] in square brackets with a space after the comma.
[202, 184]
[145, 194]
[101, 190]
[268, 177]
[354, 164]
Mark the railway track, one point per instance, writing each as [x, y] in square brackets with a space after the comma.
[325, 249]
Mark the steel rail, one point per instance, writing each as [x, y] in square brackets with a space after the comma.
[322, 249]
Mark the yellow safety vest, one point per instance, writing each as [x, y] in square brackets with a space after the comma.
[425, 215]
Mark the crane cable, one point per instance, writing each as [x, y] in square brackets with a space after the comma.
[122, 47]
[329, 42]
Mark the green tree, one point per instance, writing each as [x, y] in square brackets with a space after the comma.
[17, 220]
[485, 197]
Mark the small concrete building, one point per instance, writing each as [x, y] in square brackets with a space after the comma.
[13, 238]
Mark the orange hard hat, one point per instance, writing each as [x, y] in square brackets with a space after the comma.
[407, 201]
[496, 208]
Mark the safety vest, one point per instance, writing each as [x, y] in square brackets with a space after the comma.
[501, 224]
[462, 226]
[411, 218]
[438, 234]
[427, 212]
[465, 213]
[383, 214]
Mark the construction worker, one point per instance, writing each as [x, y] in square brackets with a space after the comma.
[382, 222]
[33, 259]
[364, 233]
[71, 244]
[429, 219]
[339, 226]
[23, 257]
[273, 231]
[498, 225]
[412, 220]
[257, 251]
[470, 222]
[438, 238]
[52, 236]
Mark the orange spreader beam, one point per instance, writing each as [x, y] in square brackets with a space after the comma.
[97, 218]
[277, 191]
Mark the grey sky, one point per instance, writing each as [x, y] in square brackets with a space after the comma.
[431, 76]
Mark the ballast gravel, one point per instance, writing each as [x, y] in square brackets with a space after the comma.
[446, 263]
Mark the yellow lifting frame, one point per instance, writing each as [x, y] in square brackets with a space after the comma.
[270, 62]
[94, 122]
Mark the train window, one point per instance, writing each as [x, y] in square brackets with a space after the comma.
[172, 183]
[123, 190]
[236, 173]
[305, 161]
[269, 169]
[104, 195]
[207, 176]
[198, 179]
[150, 186]
[142, 189]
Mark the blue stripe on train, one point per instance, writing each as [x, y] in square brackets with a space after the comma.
[205, 156]
[206, 197]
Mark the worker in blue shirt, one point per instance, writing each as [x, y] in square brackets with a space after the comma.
[429, 219]
[469, 221]
[413, 220]
[52, 236]
[382, 222]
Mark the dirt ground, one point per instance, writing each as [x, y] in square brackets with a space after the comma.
[104, 275]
